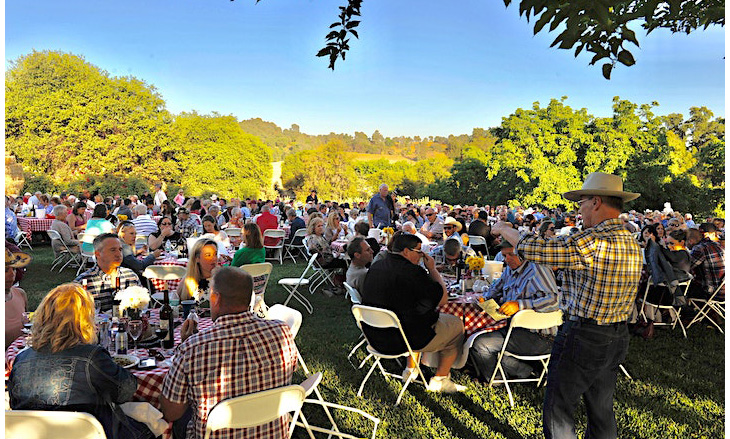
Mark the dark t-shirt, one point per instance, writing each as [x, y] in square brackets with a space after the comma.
[394, 283]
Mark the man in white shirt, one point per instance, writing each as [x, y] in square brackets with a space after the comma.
[144, 224]
[360, 255]
[159, 195]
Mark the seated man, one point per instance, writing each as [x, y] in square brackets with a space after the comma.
[101, 279]
[480, 227]
[144, 223]
[362, 228]
[59, 225]
[295, 223]
[523, 285]
[410, 227]
[241, 354]
[433, 228]
[448, 255]
[361, 254]
[185, 225]
[399, 284]
[707, 260]
[11, 221]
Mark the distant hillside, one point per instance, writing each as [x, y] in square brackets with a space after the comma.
[390, 158]
[291, 140]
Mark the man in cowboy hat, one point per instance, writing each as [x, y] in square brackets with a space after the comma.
[15, 298]
[602, 266]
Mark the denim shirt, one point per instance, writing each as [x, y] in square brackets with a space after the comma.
[81, 378]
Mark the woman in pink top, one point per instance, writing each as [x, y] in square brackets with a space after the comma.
[15, 298]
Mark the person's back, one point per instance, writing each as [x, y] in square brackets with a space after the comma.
[265, 222]
[95, 227]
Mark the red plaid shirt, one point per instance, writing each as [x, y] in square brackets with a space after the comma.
[708, 265]
[241, 354]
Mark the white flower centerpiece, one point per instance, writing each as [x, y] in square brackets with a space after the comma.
[134, 299]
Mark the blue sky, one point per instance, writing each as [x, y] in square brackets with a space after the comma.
[427, 67]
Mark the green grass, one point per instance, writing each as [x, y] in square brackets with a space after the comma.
[677, 389]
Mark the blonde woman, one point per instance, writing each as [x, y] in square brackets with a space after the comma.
[66, 370]
[203, 260]
[317, 243]
[335, 229]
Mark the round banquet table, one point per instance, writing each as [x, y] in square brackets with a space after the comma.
[29, 224]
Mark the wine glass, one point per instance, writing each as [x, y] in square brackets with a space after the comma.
[160, 333]
[135, 331]
[27, 324]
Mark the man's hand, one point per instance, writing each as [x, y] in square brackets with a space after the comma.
[167, 231]
[157, 253]
[428, 261]
[509, 308]
[188, 328]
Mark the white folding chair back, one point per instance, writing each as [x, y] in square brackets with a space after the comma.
[528, 319]
[164, 272]
[38, 424]
[260, 273]
[713, 304]
[233, 231]
[86, 256]
[300, 233]
[291, 285]
[256, 409]
[290, 316]
[71, 258]
[479, 240]
[354, 294]
[279, 247]
[676, 310]
[383, 318]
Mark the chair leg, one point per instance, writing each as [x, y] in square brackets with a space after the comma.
[623, 369]
[370, 372]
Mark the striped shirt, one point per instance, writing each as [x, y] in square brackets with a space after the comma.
[144, 225]
[531, 285]
[241, 354]
[103, 287]
[602, 269]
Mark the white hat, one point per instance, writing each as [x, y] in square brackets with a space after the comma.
[452, 221]
[598, 183]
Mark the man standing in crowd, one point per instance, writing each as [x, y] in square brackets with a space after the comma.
[415, 304]
[361, 254]
[312, 198]
[523, 285]
[101, 279]
[381, 208]
[602, 266]
[241, 354]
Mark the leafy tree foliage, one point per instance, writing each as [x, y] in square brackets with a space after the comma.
[216, 155]
[326, 169]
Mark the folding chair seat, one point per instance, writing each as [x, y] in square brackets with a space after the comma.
[41, 424]
[528, 319]
[279, 247]
[22, 239]
[383, 318]
[291, 285]
[260, 274]
[64, 255]
[676, 310]
[298, 248]
[293, 320]
[712, 304]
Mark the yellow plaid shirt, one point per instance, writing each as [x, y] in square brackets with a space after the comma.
[602, 269]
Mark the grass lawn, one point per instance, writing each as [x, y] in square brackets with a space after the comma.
[677, 389]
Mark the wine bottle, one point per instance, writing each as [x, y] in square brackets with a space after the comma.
[166, 320]
[120, 341]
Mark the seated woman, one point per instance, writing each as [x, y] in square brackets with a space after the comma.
[66, 370]
[547, 229]
[253, 251]
[203, 260]
[212, 230]
[128, 235]
[15, 298]
[97, 225]
[167, 210]
[76, 219]
[661, 234]
[677, 256]
[164, 234]
[236, 220]
[317, 243]
[335, 229]
[61, 226]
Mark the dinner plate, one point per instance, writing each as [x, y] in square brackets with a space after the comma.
[131, 360]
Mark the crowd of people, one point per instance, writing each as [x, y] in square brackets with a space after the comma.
[591, 262]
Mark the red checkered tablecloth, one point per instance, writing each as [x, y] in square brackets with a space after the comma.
[28, 224]
[338, 246]
[171, 284]
[474, 318]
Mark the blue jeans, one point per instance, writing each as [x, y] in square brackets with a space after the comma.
[584, 362]
[486, 348]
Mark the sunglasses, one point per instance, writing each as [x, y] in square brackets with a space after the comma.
[448, 227]
[430, 214]
[551, 228]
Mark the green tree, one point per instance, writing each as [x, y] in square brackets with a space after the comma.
[326, 168]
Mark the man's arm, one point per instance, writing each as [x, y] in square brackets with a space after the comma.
[172, 411]
[430, 264]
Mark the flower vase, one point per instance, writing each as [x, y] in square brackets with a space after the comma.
[133, 314]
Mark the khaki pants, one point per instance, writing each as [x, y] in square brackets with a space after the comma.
[449, 335]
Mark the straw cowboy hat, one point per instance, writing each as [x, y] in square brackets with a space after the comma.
[452, 221]
[598, 183]
[16, 259]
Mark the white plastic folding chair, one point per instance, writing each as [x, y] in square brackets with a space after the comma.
[528, 319]
[234, 234]
[676, 310]
[279, 247]
[39, 424]
[86, 256]
[293, 320]
[22, 239]
[257, 409]
[260, 274]
[475, 240]
[292, 284]
[64, 255]
[162, 272]
[298, 248]
[321, 275]
[383, 318]
[712, 304]
[356, 300]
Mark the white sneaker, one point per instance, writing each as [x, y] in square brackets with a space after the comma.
[444, 384]
[409, 372]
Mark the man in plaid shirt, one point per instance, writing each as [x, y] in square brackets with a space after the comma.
[241, 354]
[602, 269]
[708, 262]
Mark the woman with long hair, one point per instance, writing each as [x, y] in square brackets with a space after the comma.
[317, 243]
[203, 260]
[212, 230]
[253, 251]
[335, 229]
[66, 370]
[76, 219]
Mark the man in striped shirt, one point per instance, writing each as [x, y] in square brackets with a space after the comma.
[523, 285]
[602, 266]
